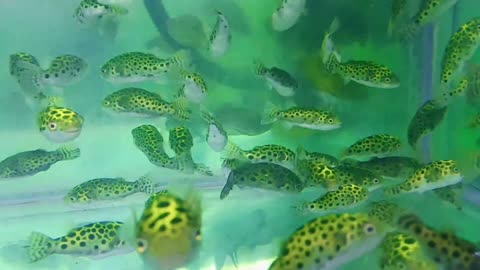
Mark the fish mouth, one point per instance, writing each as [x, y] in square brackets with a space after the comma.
[72, 130]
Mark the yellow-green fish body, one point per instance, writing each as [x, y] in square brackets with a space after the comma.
[385, 211]
[304, 117]
[100, 189]
[181, 142]
[429, 11]
[366, 73]
[329, 242]
[326, 159]
[140, 102]
[277, 79]
[398, 9]
[96, 239]
[221, 36]
[134, 67]
[271, 153]
[393, 167]
[318, 174]
[60, 124]
[437, 174]
[451, 194]
[148, 139]
[32, 162]
[194, 87]
[268, 176]
[19, 57]
[425, 120]
[64, 70]
[169, 232]
[91, 11]
[344, 198]
[402, 251]
[444, 248]
[217, 137]
[287, 14]
[374, 145]
[460, 49]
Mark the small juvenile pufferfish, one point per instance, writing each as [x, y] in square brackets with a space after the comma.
[374, 145]
[445, 248]
[429, 11]
[101, 189]
[271, 153]
[97, 240]
[267, 176]
[393, 167]
[134, 67]
[303, 117]
[366, 73]
[329, 242]
[169, 232]
[437, 174]
[59, 124]
[90, 12]
[194, 87]
[461, 47]
[221, 36]
[217, 137]
[277, 79]
[345, 197]
[142, 103]
[425, 120]
[288, 14]
[64, 70]
[403, 251]
[32, 162]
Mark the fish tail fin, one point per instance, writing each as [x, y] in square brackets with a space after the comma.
[118, 10]
[332, 63]
[232, 151]
[228, 186]
[180, 106]
[145, 184]
[69, 152]
[182, 59]
[301, 153]
[328, 46]
[203, 169]
[334, 26]
[193, 201]
[259, 68]
[29, 77]
[269, 114]
[127, 231]
[206, 115]
[40, 246]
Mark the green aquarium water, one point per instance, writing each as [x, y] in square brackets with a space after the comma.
[240, 134]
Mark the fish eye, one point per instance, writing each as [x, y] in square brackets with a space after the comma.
[388, 79]
[72, 199]
[106, 103]
[141, 245]
[52, 126]
[330, 120]
[369, 228]
[375, 180]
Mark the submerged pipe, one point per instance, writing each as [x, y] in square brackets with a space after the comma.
[159, 16]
